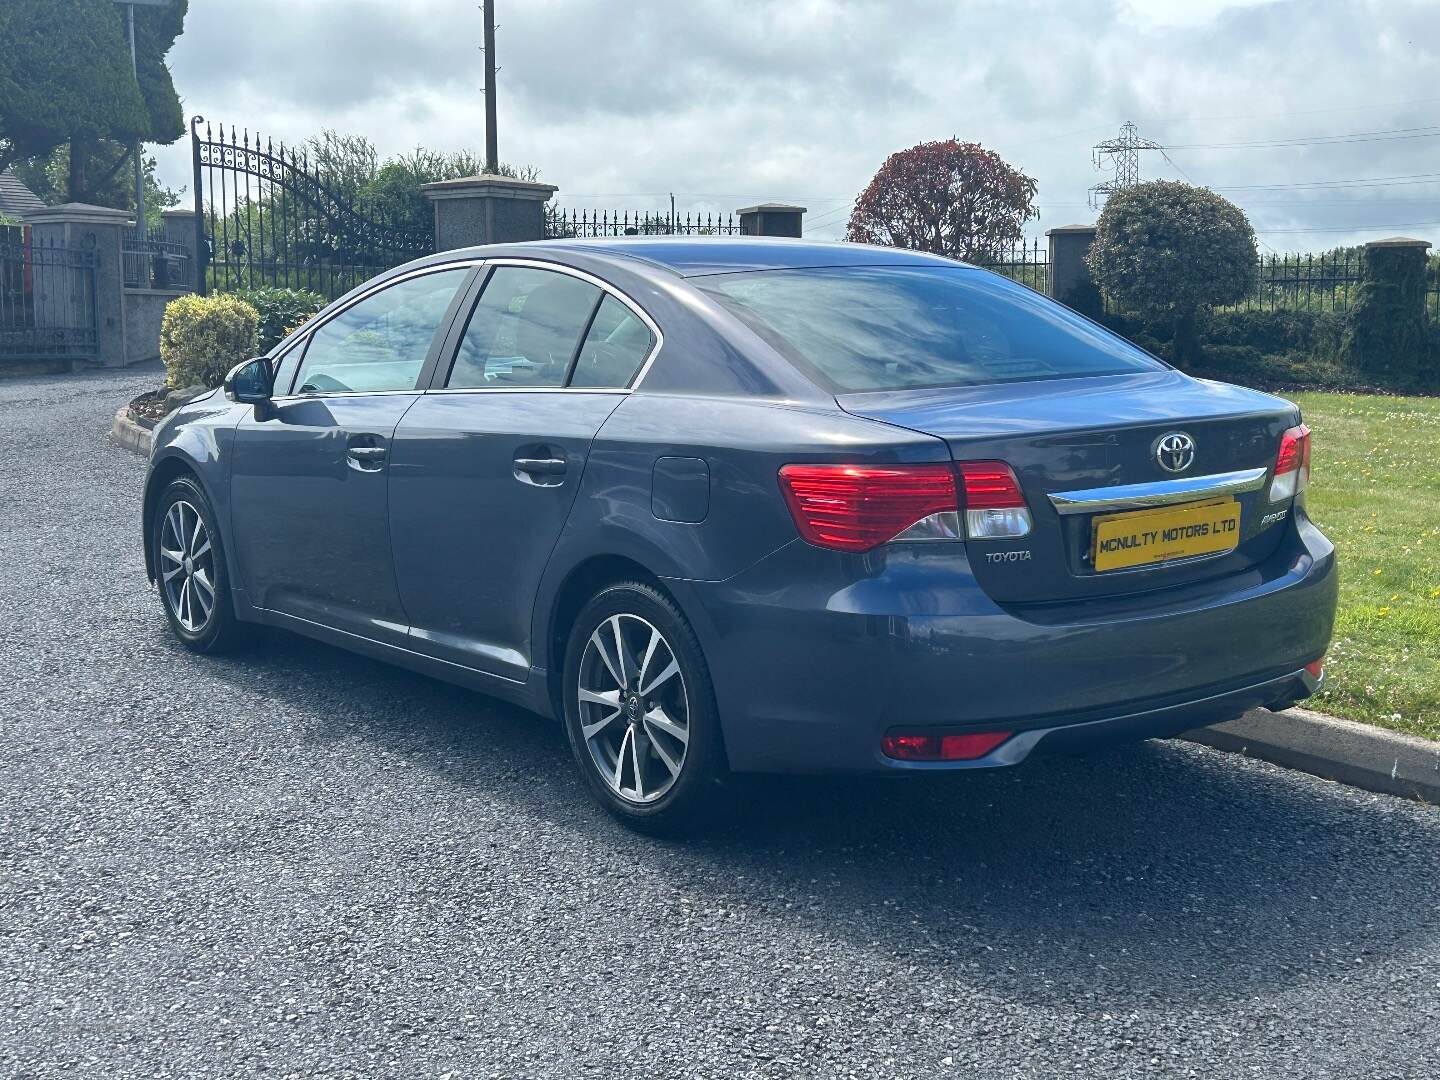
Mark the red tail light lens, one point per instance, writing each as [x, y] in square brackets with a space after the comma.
[942, 747]
[990, 485]
[1292, 464]
[994, 504]
[859, 507]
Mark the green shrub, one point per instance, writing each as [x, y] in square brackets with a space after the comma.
[1275, 331]
[281, 310]
[203, 337]
[1288, 371]
[1171, 252]
[1271, 350]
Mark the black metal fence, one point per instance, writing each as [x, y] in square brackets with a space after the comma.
[564, 223]
[47, 299]
[149, 261]
[1318, 283]
[268, 216]
[1027, 262]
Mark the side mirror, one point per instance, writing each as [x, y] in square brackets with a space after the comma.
[249, 383]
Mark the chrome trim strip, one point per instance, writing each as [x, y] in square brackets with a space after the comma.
[1158, 493]
[441, 391]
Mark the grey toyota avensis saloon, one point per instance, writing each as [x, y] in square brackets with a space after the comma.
[745, 505]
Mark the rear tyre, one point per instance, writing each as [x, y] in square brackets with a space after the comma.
[640, 712]
[190, 571]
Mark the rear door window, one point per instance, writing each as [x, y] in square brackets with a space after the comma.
[615, 347]
[864, 328]
[524, 331]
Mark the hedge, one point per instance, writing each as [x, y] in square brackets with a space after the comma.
[281, 310]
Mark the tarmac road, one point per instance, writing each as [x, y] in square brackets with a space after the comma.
[302, 863]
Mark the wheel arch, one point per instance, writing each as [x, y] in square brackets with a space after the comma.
[162, 472]
[582, 582]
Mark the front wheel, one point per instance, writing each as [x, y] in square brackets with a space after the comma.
[640, 711]
[190, 570]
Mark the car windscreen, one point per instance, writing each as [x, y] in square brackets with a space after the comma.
[858, 328]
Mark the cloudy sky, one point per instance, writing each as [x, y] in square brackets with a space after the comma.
[729, 102]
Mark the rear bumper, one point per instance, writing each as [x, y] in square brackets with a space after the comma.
[1155, 722]
[816, 655]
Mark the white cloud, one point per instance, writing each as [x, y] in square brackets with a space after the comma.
[725, 103]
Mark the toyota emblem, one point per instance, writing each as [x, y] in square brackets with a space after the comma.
[1175, 451]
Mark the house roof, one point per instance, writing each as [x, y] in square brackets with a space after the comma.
[15, 198]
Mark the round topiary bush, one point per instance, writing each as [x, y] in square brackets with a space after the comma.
[1171, 251]
[203, 337]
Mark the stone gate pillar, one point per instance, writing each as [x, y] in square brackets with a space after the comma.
[1385, 332]
[771, 219]
[1068, 277]
[98, 228]
[487, 210]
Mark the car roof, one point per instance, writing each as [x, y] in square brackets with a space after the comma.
[692, 256]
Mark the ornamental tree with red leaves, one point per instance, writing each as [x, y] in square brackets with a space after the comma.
[950, 198]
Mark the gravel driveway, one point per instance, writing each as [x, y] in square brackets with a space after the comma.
[302, 863]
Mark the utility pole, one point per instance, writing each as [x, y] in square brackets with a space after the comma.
[135, 147]
[135, 71]
[492, 142]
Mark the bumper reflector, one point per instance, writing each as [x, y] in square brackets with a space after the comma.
[1316, 668]
[942, 747]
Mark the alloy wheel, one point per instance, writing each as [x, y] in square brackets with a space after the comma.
[187, 566]
[634, 713]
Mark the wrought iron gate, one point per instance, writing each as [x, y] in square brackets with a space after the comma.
[266, 217]
[47, 300]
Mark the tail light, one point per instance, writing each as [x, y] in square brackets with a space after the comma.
[1292, 464]
[922, 747]
[859, 507]
[994, 504]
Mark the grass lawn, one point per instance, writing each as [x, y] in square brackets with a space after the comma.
[1375, 491]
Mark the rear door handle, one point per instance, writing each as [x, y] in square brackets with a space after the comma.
[366, 457]
[541, 466]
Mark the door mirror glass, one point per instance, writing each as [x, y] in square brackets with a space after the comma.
[249, 383]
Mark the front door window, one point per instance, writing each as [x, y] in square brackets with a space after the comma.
[379, 343]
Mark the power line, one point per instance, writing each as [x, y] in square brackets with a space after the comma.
[1402, 180]
[1357, 228]
[1303, 112]
[1429, 131]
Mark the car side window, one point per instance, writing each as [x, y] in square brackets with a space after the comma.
[380, 342]
[615, 347]
[285, 369]
[524, 329]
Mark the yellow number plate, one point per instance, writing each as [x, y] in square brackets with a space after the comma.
[1143, 537]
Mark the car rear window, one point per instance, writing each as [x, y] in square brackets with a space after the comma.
[857, 328]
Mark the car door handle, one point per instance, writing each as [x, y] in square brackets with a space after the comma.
[541, 466]
[367, 455]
